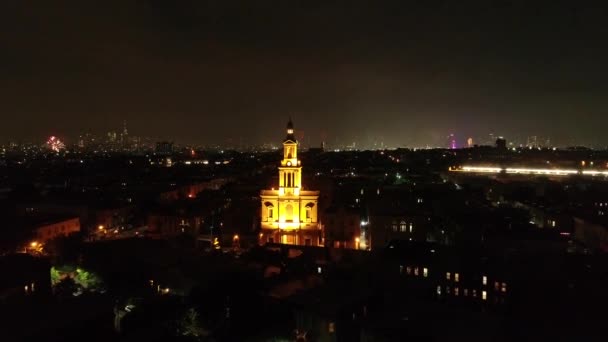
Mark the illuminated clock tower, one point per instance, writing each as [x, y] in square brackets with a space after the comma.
[289, 213]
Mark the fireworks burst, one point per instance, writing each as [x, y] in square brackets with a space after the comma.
[54, 144]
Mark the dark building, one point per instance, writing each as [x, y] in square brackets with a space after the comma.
[164, 147]
[501, 143]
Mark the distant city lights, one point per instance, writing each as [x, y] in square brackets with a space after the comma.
[528, 171]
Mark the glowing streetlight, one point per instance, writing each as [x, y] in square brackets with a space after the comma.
[34, 244]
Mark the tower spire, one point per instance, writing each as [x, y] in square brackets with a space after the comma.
[290, 135]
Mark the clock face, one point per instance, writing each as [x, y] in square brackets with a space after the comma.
[288, 163]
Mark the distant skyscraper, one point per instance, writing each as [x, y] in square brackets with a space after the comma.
[112, 137]
[501, 143]
[532, 141]
[491, 140]
[164, 147]
[452, 141]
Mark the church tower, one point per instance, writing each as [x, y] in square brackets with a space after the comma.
[289, 213]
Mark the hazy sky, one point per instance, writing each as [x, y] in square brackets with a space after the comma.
[406, 72]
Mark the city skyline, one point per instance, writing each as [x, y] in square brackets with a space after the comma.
[356, 142]
[207, 72]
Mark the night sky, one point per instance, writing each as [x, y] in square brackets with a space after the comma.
[405, 72]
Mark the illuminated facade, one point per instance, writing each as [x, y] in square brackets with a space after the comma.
[289, 213]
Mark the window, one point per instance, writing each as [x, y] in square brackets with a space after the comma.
[289, 212]
[270, 213]
[319, 270]
[456, 277]
[409, 270]
[402, 226]
[411, 227]
[465, 292]
[504, 287]
[484, 295]
[496, 285]
[447, 275]
[456, 292]
[425, 272]
[394, 226]
[484, 280]
[308, 213]
[439, 290]
[400, 269]
[415, 271]
[332, 327]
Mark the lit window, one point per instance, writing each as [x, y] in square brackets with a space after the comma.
[332, 327]
[400, 269]
[402, 226]
[416, 271]
[319, 270]
[425, 272]
[484, 295]
[411, 227]
[394, 226]
[456, 292]
[496, 285]
[439, 290]
[447, 276]
[409, 270]
[504, 287]
[456, 277]
[474, 293]
[484, 280]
